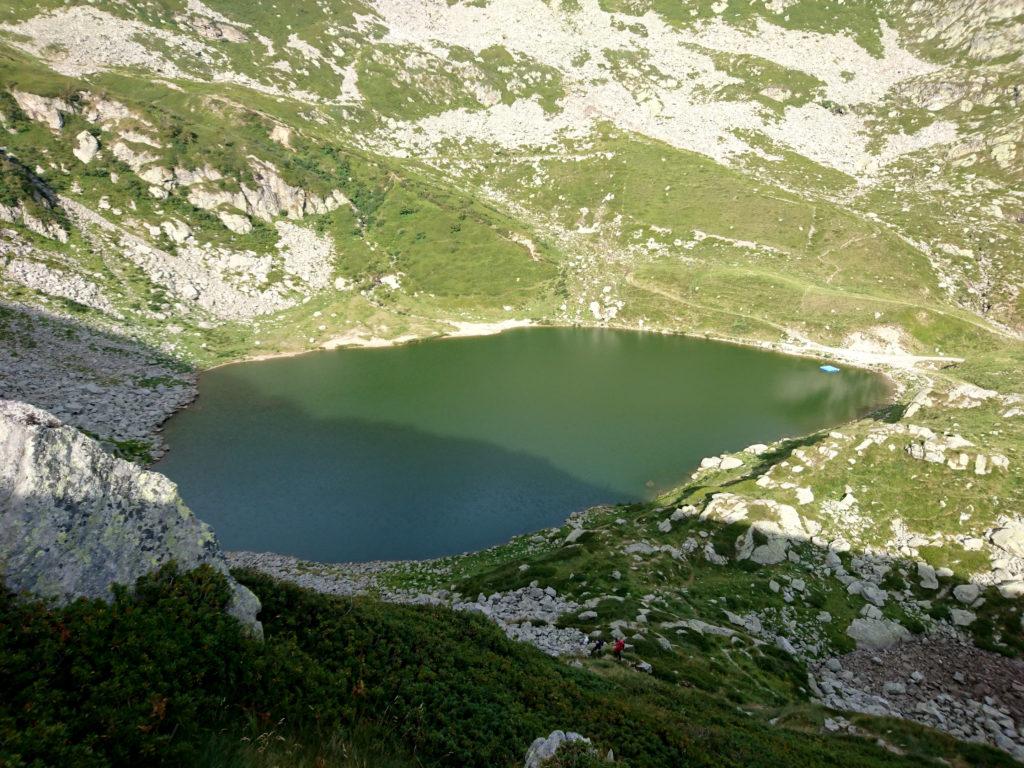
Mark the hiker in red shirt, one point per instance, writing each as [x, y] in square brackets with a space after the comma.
[618, 648]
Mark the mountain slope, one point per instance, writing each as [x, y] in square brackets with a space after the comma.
[188, 183]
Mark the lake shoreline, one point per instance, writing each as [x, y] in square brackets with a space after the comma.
[886, 363]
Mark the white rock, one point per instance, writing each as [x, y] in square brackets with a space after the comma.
[966, 593]
[177, 231]
[961, 617]
[87, 147]
[1011, 589]
[236, 222]
[1010, 539]
[927, 575]
[42, 109]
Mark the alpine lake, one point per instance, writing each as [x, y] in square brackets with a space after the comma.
[445, 446]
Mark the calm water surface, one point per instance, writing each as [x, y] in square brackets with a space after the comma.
[446, 446]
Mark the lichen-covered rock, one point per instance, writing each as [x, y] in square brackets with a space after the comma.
[74, 520]
[544, 749]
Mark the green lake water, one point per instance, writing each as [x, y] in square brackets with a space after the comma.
[453, 445]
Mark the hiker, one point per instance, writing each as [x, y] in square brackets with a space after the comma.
[618, 648]
[596, 650]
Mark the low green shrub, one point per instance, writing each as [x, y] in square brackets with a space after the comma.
[162, 676]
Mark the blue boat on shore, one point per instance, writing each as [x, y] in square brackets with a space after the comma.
[828, 368]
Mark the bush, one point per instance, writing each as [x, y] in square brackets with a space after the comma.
[161, 673]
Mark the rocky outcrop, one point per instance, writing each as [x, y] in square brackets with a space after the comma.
[544, 749]
[211, 29]
[271, 197]
[235, 222]
[21, 213]
[74, 520]
[42, 109]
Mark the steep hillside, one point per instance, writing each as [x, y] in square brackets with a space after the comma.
[163, 678]
[186, 183]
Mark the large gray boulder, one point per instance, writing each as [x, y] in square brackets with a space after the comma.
[1010, 539]
[877, 634]
[74, 520]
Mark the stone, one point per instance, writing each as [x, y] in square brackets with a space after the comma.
[730, 462]
[871, 612]
[87, 147]
[1011, 589]
[682, 513]
[665, 526]
[544, 748]
[1010, 539]
[573, 536]
[784, 645]
[966, 593]
[961, 617]
[877, 634]
[75, 520]
[774, 551]
[927, 576]
[895, 688]
[42, 109]
[700, 627]
[177, 231]
[749, 621]
[870, 592]
[236, 222]
[282, 134]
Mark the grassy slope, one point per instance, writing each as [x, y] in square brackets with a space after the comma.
[166, 678]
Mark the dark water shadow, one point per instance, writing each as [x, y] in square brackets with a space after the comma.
[356, 489]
